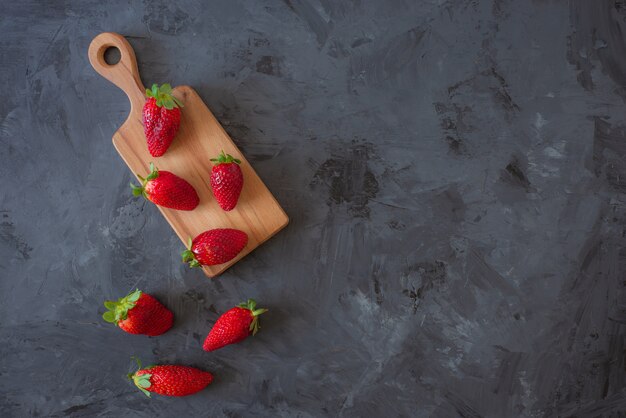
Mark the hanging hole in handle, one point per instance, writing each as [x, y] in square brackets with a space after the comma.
[112, 55]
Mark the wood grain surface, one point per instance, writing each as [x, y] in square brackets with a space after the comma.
[199, 139]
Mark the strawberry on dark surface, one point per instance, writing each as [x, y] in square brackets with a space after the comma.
[216, 246]
[167, 189]
[170, 380]
[234, 326]
[226, 180]
[161, 118]
[139, 313]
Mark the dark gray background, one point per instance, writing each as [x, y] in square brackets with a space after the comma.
[455, 176]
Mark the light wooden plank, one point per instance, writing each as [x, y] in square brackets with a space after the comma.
[200, 138]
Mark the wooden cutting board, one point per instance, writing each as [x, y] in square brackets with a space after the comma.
[199, 139]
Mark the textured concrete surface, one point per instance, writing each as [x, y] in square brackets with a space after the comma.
[455, 175]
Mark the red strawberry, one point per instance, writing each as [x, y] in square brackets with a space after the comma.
[234, 326]
[170, 380]
[161, 118]
[215, 246]
[226, 180]
[168, 190]
[139, 313]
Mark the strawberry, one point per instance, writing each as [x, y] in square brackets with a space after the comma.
[234, 326]
[139, 313]
[166, 189]
[161, 118]
[170, 380]
[215, 246]
[226, 180]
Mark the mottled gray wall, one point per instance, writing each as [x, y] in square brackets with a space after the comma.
[455, 176]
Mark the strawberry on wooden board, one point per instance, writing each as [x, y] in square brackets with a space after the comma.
[226, 180]
[215, 246]
[167, 189]
[234, 326]
[170, 380]
[139, 313]
[161, 118]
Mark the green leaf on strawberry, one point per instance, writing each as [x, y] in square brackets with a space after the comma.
[251, 305]
[141, 190]
[142, 381]
[164, 97]
[109, 316]
[118, 310]
[225, 159]
[189, 257]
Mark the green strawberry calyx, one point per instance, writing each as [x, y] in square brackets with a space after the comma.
[164, 97]
[225, 159]
[141, 190]
[189, 257]
[142, 381]
[118, 310]
[251, 305]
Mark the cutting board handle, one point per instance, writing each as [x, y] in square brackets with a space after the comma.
[124, 74]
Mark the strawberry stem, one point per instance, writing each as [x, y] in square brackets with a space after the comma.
[164, 97]
[189, 257]
[141, 190]
[142, 381]
[118, 310]
[225, 159]
[250, 304]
